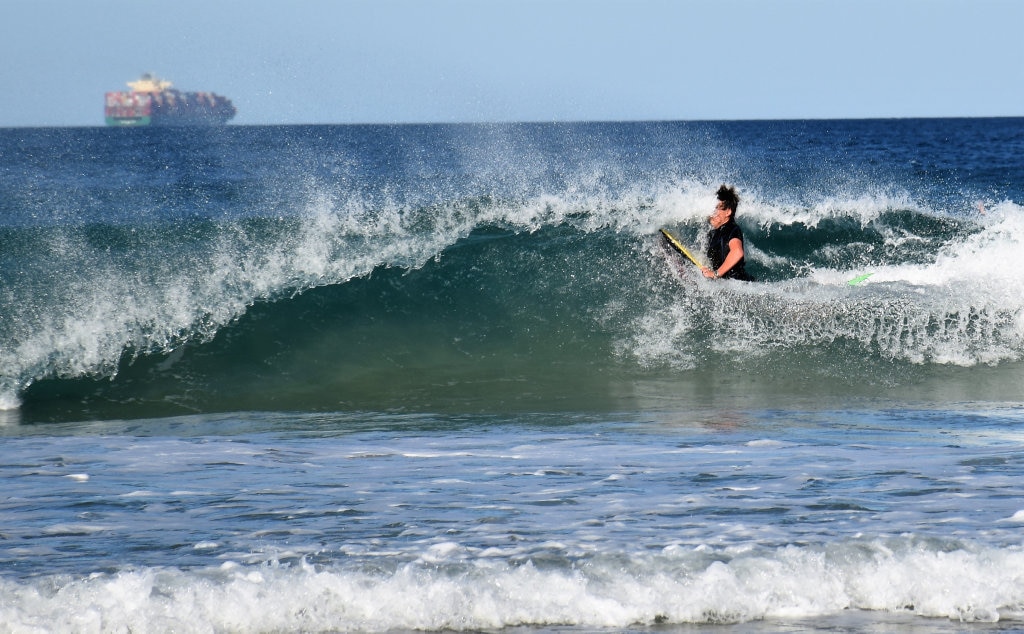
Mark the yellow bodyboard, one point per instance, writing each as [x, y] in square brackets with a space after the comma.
[678, 246]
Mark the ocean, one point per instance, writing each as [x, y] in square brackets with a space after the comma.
[396, 378]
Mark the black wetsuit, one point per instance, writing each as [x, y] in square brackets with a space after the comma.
[718, 249]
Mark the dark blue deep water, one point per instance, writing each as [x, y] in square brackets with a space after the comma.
[446, 377]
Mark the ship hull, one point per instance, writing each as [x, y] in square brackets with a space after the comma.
[164, 121]
[122, 122]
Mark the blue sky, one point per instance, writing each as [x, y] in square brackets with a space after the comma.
[355, 61]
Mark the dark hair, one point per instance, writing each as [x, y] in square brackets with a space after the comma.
[729, 196]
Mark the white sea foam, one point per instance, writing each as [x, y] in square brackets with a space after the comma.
[1016, 517]
[680, 586]
[8, 400]
[863, 207]
[961, 307]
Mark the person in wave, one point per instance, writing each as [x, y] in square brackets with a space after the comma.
[725, 240]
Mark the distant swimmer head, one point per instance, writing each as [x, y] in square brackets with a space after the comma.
[725, 210]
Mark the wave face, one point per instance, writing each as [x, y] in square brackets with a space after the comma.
[495, 268]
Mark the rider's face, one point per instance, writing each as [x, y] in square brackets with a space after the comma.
[720, 216]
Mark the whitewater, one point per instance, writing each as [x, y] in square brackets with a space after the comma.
[446, 377]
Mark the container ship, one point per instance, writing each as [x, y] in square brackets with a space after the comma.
[153, 101]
